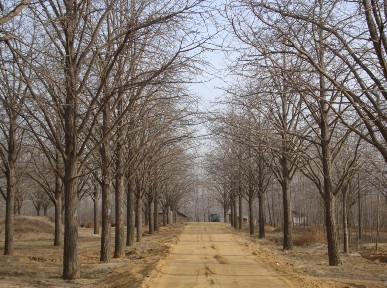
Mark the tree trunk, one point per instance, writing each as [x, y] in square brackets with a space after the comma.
[95, 202]
[58, 219]
[71, 267]
[378, 217]
[275, 222]
[360, 232]
[45, 211]
[106, 189]
[235, 214]
[269, 210]
[240, 224]
[169, 215]
[146, 215]
[139, 219]
[225, 210]
[232, 214]
[287, 209]
[345, 221]
[350, 222]
[10, 202]
[119, 211]
[58, 202]
[150, 224]
[326, 154]
[251, 218]
[329, 197]
[38, 211]
[333, 253]
[135, 214]
[156, 215]
[106, 216]
[130, 216]
[261, 216]
[164, 219]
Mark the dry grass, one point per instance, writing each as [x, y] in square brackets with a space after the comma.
[25, 226]
[308, 235]
[306, 265]
[90, 224]
[37, 263]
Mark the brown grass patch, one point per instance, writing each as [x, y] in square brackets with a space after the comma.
[31, 224]
[308, 235]
[375, 256]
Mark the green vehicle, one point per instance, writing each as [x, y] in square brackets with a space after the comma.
[214, 218]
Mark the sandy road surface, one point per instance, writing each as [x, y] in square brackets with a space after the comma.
[208, 255]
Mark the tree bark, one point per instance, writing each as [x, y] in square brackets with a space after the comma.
[269, 210]
[106, 216]
[169, 215]
[71, 267]
[333, 253]
[240, 223]
[329, 197]
[156, 215]
[139, 219]
[360, 232]
[275, 222]
[261, 215]
[146, 215]
[95, 206]
[106, 189]
[130, 216]
[251, 218]
[10, 201]
[232, 214]
[150, 218]
[164, 219]
[235, 214]
[225, 210]
[287, 209]
[119, 211]
[345, 221]
[58, 219]
[326, 153]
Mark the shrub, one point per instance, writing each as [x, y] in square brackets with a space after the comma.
[308, 235]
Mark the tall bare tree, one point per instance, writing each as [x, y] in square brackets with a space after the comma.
[78, 98]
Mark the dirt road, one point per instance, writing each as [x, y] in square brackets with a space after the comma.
[208, 255]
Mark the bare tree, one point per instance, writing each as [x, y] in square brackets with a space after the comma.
[360, 50]
[13, 95]
[78, 99]
[9, 10]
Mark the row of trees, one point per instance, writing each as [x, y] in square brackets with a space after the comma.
[92, 95]
[311, 99]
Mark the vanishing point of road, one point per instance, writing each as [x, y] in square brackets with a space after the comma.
[208, 255]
